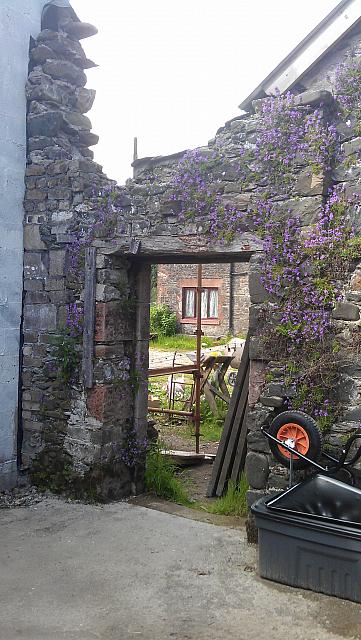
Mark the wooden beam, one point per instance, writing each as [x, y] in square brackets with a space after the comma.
[228, 424]
[234, 438]
[89, 316]
[164, 371]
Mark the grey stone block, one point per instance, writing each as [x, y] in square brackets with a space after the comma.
[271, 401]
[257, 469]
[39, 317]
[256, 441]
[346, 311]
[253, 495]
[32, 239]
[47, 124]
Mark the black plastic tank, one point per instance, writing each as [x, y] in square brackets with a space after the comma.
[310, 537]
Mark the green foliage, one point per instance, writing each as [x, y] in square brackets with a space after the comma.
[160, 477]
[154, 283]
[181, 342]
[234, 501]
[67, 354]
[163, 321]
[211, 425]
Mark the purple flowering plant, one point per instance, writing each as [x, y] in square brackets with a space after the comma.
[303, 270]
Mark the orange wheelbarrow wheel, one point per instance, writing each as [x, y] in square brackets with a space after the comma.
[299, 431]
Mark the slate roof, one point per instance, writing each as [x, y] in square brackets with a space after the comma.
[313, 48]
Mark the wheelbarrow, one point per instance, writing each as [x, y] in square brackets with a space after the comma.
[297, 443]
[310, 534]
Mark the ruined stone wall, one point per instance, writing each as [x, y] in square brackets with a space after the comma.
[75, 433]
[69, 433]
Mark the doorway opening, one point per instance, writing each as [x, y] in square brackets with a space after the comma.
[189, 389]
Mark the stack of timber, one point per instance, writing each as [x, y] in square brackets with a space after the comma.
[232, 448]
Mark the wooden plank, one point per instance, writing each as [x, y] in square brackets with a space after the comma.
[241, 452]
[226, 432]
[89, 316]
[233, 439]
[163, 371]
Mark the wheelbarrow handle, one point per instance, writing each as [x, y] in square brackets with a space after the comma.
[345, 452]
[295, 453]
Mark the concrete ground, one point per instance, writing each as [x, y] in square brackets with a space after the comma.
[80, 572]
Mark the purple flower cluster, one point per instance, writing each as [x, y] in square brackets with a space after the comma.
[348, 87]
[74, 319]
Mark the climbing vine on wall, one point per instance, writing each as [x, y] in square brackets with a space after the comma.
[303, 269]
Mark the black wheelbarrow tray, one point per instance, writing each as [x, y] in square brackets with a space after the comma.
[310, 537]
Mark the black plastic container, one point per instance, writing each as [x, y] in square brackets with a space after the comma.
[310, 537]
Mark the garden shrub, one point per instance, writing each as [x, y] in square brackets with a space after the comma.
[163, 321]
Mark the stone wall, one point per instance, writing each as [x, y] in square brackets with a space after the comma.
[231, 280]
[76, 434]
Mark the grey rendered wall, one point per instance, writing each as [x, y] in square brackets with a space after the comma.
[18, 20]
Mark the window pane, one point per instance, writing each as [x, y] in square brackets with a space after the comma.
[189, 303]
[213, 303]
[204, 303]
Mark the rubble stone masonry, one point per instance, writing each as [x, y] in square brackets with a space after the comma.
[75, 435]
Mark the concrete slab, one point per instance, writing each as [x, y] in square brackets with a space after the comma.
[122, 571]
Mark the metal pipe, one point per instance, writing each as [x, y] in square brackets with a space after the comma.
[175, 412]
[198, 374]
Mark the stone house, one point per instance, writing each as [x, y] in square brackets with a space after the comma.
[86, 258]
[225, 297]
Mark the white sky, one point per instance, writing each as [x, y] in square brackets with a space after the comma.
[173, 71]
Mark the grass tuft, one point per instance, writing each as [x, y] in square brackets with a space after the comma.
[234, 501]
[181, 342]
[160, 477]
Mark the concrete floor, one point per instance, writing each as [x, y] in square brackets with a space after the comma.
[81, 572]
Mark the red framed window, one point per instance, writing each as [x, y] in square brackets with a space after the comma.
[209, 302]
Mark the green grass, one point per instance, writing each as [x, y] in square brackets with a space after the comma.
[211, 425]
[181, 342]
[234, 502]
[160, 477]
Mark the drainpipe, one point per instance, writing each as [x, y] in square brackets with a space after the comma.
[231, 303]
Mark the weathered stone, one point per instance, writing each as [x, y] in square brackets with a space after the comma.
[257, 469]
[77, 121]
[309, 183]
[257, 381]
[272, 401]
[40, 317]
[34, 170]
[276, 481]
[353, 414]
[307, 209]
[257, 291]
[80, 30]
[32, 238]
[352, 147]
[63, 70]
[41, 53]
[88, 138]
[346, 311]
[257, 348]
[256, 441]
[346, 171]
[113, 322]
[57, 262]
[84, 99]
[47, 124]
[253, 495]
